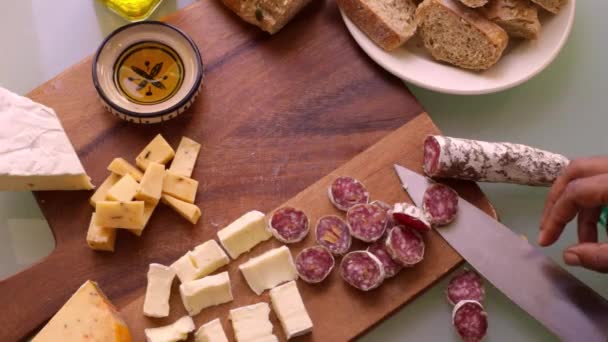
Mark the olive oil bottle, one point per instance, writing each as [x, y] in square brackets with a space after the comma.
[133, 10]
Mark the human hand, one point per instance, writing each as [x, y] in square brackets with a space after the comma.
[580, 190]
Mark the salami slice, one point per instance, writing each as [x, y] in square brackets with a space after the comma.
[314, 264]
[333, 233]
[466, 285]
[362, 270]
[390, 266]
[411, 216]
[389, 212]
[405, 245]
[440, 202]
[345, 192]
[289, 225]
[367, 222]
[470, 320]
[482, 161]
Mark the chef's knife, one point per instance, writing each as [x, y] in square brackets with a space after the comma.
[562, 303]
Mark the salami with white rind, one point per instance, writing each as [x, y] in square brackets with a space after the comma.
[333, 233]
[314, 264]
[466, 285]
[470, 320]
[367, 222]
[391, 267]
[440, 202]
[362, 270]
[345, 192]
[288, 225]
[411, 216]
[482, 161]
[405, 245]
[389, 212]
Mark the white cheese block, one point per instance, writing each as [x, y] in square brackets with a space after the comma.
[203, 293]
[269, 269]
[211, 332]
[158, 290]
[289, 307]
[177, 331]
[208, 257]
[35, 152]
[251, 323]
[185, 268]
[243, 234]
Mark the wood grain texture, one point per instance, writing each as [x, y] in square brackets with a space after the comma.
[276, 113]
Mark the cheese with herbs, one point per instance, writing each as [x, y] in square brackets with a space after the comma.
[102, 190]
[185, 157]
[151, 185]
[187, 210]
[158, 150]
[124, 190]
[122, 167]
[180, 187]
[100, 238]
[124, 215]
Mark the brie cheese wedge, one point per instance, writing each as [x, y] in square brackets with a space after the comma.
[269, 269]
[289, 307]
[177, 331]
[251, 323]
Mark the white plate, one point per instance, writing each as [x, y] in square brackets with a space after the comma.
[520, 62]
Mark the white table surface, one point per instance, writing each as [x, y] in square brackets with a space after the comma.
[562, 109]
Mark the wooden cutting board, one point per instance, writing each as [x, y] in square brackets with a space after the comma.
[276, 114]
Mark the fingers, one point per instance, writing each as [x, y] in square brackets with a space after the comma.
[593, 256]
[579, 168]
[583, 193]
[587, 224]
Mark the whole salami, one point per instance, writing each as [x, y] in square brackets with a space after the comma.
[288, 225]
[391, 267]
[345, 192]
[470, 320]
[333, 233]
[440, 202]
[482, 161]
[411, 216]
[367, 222]
[314, 264]
[466, 285]
[362, 270]
[405, 245]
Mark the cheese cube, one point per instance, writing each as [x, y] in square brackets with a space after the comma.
[124, 190]
[102, 190]
[208, 257]
[269, 269]
[185, 268]
[203, 293]
[100, 238]
[251, 323]
[178, 331]
[158, 150]
[120, 214]
[88, 313]
[289, 307]
[151, 185]
[158, 290]
[148, 210]
[243, 234]
[122, 167]
[187, 210]
[211, 332]
[185, 157]
[180, 187]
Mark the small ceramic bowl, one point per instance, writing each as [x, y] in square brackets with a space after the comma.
[147, 72]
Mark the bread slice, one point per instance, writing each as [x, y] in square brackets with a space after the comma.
[518, 17]
[389, 23]
[474, 3]
[459, 35]
[269, 15]
[553, 6]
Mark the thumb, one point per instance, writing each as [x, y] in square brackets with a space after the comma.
[593, 256]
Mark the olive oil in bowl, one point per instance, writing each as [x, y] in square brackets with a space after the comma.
[133, 10]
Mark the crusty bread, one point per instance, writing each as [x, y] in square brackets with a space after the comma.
[389, 23]
[459, 35]
[474, 3]
[518, 17]
[269, 15]
[552, 6]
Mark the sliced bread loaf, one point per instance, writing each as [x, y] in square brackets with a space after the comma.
[389, 23]
[269, 15]
[474, 3]
[518, 17]
[552, 6]
[459, 35]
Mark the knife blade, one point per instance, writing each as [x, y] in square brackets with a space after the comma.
[558, 300]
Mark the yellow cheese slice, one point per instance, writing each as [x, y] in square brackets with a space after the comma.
[122, 167]
[151, 186]
[158, 150]
[180, 187]
[124, 190]
[120, 214]
[102, 190]
[187, 210]
[148, 210]
[185, 157]
[100, 238]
